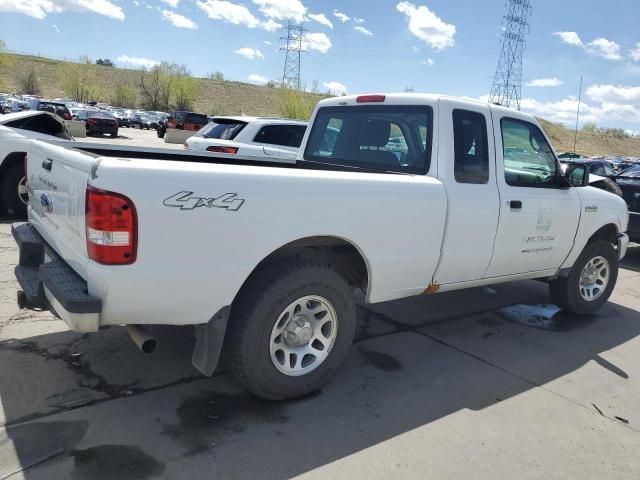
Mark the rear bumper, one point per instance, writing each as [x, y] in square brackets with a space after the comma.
[48, 283]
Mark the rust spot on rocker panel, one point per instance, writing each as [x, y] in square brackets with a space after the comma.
[432, 288]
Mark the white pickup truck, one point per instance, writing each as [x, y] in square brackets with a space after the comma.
[397, 195]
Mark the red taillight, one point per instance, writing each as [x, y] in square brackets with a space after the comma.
[112, 227]
[370, 98]
[91, 121]
[229, 150]
[66, 116]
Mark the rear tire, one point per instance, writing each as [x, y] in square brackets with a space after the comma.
[576, 293]
[261, 309]
[10, 191]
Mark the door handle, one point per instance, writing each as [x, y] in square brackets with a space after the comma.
[515, 204]
[47, 164]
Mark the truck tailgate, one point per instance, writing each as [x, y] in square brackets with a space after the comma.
[57, 182]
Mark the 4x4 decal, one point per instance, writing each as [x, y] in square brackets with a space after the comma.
[185, 201]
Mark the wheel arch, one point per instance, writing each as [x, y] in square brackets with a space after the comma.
[10, 160]
[608, 232]
[339, 253]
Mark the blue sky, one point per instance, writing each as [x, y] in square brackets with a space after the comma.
[443, 46]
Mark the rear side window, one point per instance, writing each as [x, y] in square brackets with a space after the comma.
[392, 138]
[282, 135]
[222, 129]
[470, 146]
[197, 118]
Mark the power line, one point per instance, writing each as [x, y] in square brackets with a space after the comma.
[507, 81]
[293, 48]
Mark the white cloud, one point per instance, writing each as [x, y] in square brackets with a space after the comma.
[55, 27]
[178, 20]
[317, 41]
[271, 25]
[255, 78]
[321, 18]
[137, 61]
[336, 88]
[570, 38]
[267, 42]
[358, 20]
[428, 61]
[171, 3]
[250, 53]
[282, 9]
[343, 17]
[363, 30]
[41, 8]
[634, 53]
[614, 94]
[228, 12]
[545, 82]
[601, 47]
[604, 48]
[427, 26]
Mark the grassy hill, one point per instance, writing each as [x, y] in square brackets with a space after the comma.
[215, 97]
[233, 98]
[590, 143]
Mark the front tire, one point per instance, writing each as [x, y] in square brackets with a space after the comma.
[14, 194]
[590, 281]
[290, 330]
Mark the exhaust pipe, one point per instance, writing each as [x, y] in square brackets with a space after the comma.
[142, 339]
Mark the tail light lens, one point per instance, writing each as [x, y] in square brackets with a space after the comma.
[66, 116]
[229, 150]
[91, 121]
[112, 227]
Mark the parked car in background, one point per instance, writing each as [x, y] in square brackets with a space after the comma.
[182, 121]
[99, 122]
[250, 137]
[13, 105]
[14, 128]
[141, 120]
[123, 118]
[58, 108]
[629, 183]
[600, 167]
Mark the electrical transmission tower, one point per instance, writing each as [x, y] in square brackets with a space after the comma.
[507, 82]
[293, 48]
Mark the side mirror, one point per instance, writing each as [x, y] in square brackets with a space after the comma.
[577, 175]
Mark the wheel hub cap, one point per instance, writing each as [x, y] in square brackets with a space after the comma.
[594, 279]
[298, 332]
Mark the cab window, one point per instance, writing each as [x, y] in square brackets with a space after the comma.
[528, 158]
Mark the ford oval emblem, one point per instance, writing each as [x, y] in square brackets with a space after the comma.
[47, 202]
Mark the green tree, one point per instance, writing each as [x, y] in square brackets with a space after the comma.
[124, 95]
[105, 62]
[79, 81]
[184, 92]
[5, 60]
[217, 76]
[590, 127]
[29, 83]
[295, 104]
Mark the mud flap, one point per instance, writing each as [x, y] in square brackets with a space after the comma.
[209, 339]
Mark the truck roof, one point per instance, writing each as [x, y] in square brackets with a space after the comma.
[402, 98]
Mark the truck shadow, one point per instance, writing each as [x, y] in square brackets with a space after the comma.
[398, 378]
[632, 260]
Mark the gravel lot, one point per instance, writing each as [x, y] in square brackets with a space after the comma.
[133, 137]
[446, 386]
